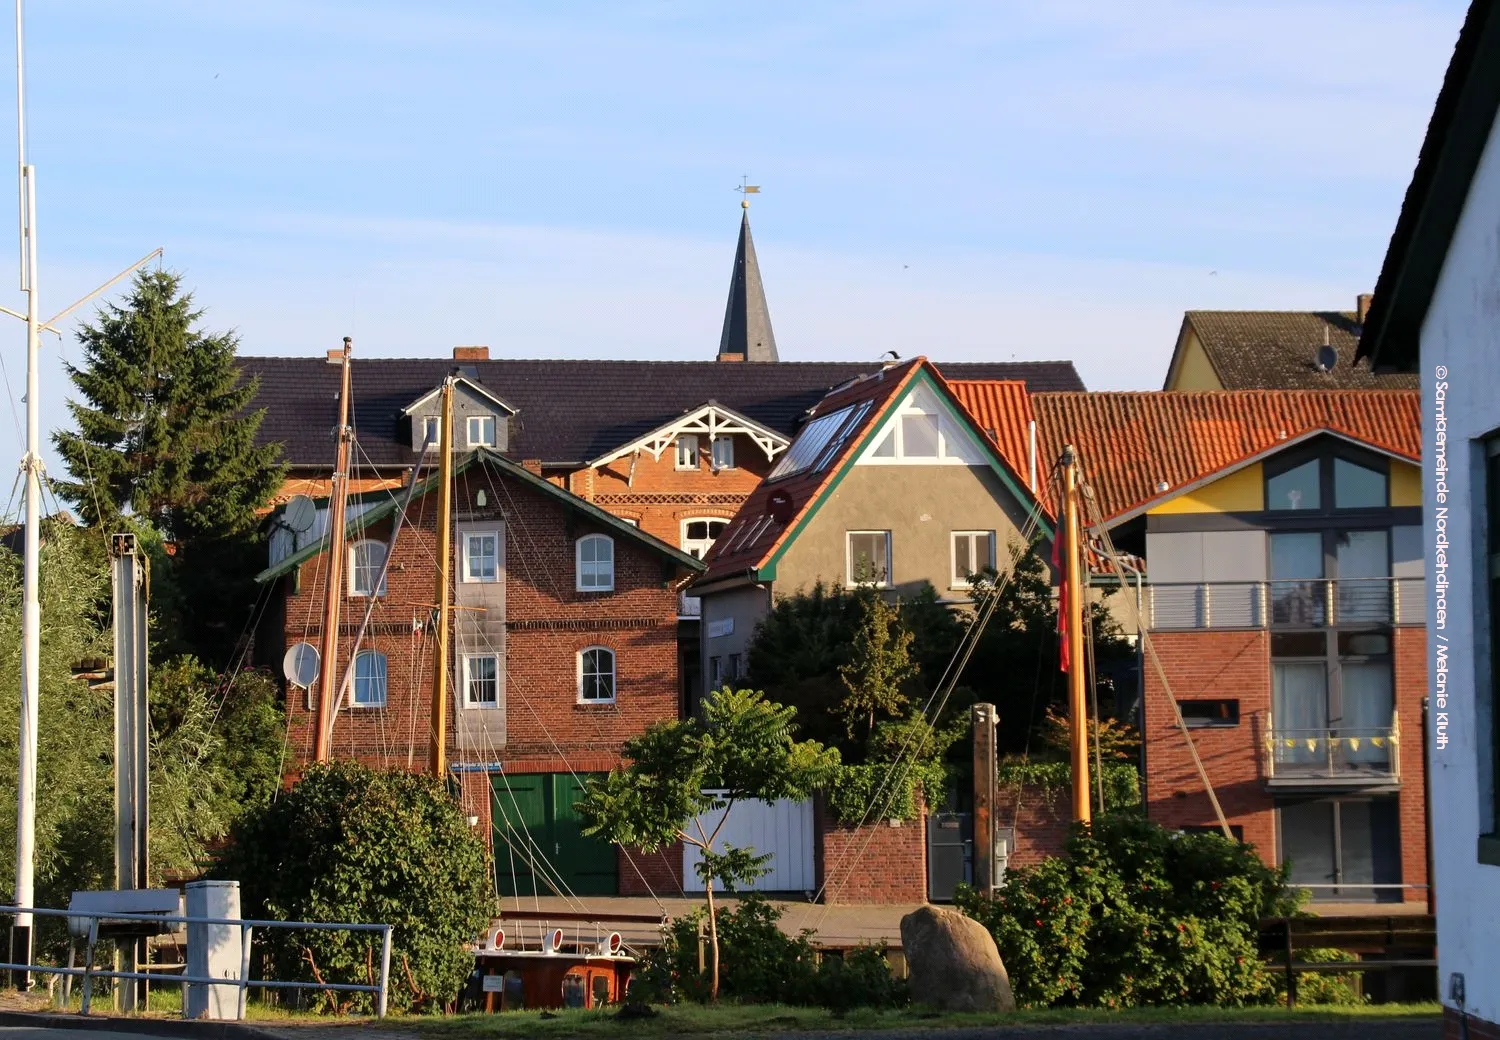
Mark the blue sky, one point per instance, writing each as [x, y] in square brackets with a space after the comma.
[962, 180]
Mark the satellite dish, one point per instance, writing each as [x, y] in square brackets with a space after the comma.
[1327, 358]
[780, 506]
[299, 514]
[300, 665]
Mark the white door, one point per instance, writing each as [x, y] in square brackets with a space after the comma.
[784, 829]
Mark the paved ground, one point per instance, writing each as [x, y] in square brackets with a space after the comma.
[834, 925]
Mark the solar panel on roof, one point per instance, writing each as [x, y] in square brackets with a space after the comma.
[818, 444]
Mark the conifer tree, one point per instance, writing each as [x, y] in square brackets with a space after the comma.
[163, 426]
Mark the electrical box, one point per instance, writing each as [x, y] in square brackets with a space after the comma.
[213, 951]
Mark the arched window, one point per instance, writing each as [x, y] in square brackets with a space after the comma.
[366, 561]
[369, 679]
[596, 675]
[596, 563]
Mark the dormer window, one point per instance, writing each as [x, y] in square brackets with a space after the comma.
[432, 433]
[687, 451]
[481, 431]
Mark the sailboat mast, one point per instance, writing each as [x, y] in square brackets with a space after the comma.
[338, 506]
[1078, 724]
[31, 615]
[439, 755]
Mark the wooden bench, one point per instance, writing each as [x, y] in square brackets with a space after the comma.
[1412, 938]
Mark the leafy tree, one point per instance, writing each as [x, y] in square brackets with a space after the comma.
[350, 843]
[166, 434]
[744, 748]
[879, 667]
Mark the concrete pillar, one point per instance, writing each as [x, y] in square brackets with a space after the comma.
[213, 950]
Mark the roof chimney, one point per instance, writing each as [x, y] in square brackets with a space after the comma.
[335, 357]
[471, 353]
[1362, 307]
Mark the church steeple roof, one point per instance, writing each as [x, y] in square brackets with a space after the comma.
[747, 332]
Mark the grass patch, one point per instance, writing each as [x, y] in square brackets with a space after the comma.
[696, 1020]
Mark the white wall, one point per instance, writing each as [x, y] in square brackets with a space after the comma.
[783, 829]
[1462, 333]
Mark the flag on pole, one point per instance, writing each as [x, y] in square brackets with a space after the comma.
[1062, 601]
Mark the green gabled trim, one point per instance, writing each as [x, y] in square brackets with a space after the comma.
[767, 572]
[525, 476]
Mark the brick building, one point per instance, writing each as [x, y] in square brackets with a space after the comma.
[1281, 606]
[564, 643]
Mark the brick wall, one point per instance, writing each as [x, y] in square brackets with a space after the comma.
[646, 874]
[875, 863]
[1040, 819]
[1410, 653]
[1456, 1028]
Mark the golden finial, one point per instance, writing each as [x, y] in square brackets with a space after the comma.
[747, 190]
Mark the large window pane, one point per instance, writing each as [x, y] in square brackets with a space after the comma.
[1363, 559]
[1296, 567]
[869, 557]
[1367, 700]
[919, 436]
[1307, 843]
[1297, 488]
[1357, 487]
[1299, 706]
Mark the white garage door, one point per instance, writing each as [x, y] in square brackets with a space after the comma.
[784, 829]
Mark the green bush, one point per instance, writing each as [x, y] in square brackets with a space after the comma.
[1317, 988]
[350, 843]
[763, 965]
[1135, 914]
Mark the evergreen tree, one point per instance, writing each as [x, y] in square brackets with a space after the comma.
[164, 429]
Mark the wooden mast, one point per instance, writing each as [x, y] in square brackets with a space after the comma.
[338, 506]
[1078, 718]
[439, 756]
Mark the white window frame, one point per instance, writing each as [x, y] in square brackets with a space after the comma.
[721, 451]
[480, 441]
[464, 575]
[614, 675]
[469, 699]
[435, 424]
[956, 582]
[385, 680]
[355, 592]
[849, 581]
[953, 439]
[683, 539]
[578, 564]
[687, 444]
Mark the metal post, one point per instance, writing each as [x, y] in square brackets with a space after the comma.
[385, 970]
[337, 512]
[439, 748]
[88, 966]
[132, 728]
[985, 766]
[245, 931]
[1077, 700]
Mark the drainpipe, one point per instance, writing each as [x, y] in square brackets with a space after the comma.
[1032, 437]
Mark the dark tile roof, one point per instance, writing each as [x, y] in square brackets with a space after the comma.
[1132, 443]
[747, 319]
[568, 411]
[1277, 350]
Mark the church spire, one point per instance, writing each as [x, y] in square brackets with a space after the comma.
[747, 332]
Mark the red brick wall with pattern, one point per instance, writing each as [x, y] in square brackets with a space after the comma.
[875, 863]
[1237, 664]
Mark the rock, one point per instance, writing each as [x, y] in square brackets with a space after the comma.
[953, 963]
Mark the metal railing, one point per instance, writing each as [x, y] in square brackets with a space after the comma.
[243, 983]
[1300, 603]
[1333, 753]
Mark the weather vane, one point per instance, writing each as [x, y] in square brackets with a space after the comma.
[747, 189]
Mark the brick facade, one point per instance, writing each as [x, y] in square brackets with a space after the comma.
[875, 863]
[1039, 819]
[1237, 664]
[1461, 1027]
[546, 623]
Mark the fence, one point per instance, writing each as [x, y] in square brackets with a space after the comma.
[1296, 603]
[244, 982]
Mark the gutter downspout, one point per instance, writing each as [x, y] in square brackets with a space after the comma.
[1032, 438]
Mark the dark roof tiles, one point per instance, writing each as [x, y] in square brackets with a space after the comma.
[1277, 350]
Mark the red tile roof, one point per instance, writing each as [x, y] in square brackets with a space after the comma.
[1130, 443]
[1002, 409]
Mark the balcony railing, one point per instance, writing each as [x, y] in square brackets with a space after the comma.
[1309, 603]
[1340, 753]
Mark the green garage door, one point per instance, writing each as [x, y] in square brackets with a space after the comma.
[539, 838]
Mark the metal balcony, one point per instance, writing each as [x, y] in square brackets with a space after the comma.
[1309, 603]
[1335, 756]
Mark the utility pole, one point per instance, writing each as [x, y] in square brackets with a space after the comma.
[985, 764]
[1078, 719]
[31, 469]
[338, 506]
[128, 569]
[439, 754]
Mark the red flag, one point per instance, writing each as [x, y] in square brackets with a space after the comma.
[1062, 601]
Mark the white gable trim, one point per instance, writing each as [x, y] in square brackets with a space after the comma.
[956, 443]
[472, 387]
[711, 420]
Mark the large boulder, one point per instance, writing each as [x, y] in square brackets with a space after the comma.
[953, 963]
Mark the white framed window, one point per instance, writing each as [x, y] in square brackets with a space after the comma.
[715, 672]
[923, 430]
[596, 563]
[481, 431]
[687, 451]
[366, 561]
[722, 451]
[369, 679]
[973, 551]
[481, 556]
[869, 558]
[432, 433]
[481, 680]
[699, 533]
[596, 675]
